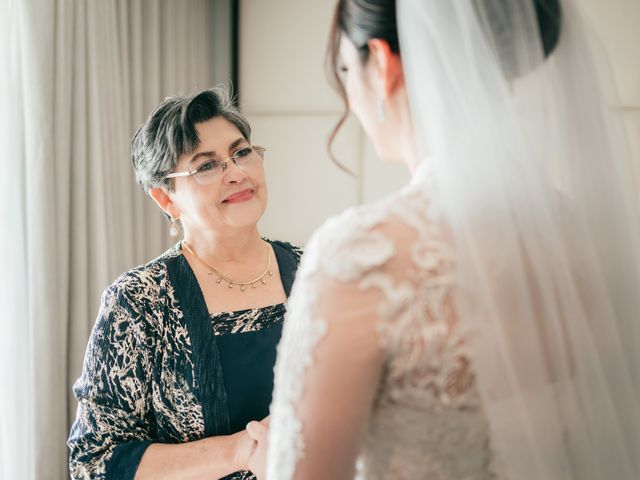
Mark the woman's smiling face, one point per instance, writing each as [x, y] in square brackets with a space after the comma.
[236, 198]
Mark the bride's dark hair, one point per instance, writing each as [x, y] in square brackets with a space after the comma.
[363, 20]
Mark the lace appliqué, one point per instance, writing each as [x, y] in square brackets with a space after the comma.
[295, 353]
[344, 255]
[427, 421]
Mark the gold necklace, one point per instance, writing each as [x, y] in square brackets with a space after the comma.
[231, 283]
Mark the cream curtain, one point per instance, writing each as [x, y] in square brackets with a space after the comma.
[77, 79]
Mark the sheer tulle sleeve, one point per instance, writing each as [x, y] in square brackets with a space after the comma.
[335, 346]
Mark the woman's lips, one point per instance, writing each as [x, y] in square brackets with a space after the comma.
[242, 196]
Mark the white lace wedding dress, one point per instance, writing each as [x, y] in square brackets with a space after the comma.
[372, 378]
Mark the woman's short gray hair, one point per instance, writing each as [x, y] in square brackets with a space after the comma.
[170, 132]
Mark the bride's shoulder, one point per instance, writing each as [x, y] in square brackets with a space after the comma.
[366, 236]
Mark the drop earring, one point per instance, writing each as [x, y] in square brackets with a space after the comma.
[174, 229]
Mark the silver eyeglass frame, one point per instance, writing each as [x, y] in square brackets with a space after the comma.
[233, 158]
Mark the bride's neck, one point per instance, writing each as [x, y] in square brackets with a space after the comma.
[408, 147]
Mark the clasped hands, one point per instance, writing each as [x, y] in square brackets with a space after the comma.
[252, 449]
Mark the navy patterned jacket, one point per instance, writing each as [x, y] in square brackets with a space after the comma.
[160, 369]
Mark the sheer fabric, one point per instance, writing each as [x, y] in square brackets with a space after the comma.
[535, 181]
[76, 78]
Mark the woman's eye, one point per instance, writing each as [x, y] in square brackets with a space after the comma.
[208, 166]
[243, 152]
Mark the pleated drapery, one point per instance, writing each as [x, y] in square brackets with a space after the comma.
[78, 78]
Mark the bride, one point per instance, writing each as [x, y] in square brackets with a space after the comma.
[483, 321]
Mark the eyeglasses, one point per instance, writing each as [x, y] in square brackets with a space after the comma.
[212, 169]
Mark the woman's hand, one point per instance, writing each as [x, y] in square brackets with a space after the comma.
[259, 432]
[211, 457]
[243, 450]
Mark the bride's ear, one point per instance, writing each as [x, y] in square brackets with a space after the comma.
[387, 67]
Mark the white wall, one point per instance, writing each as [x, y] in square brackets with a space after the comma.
[617, 23]
[286, 95]
[292, 109]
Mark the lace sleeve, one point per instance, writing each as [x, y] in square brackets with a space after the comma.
[331, 358]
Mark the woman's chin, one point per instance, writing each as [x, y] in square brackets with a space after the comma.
[243, 215]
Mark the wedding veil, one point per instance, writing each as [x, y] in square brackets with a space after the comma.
[535, 180]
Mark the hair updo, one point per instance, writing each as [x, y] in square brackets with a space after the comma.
[364, 20]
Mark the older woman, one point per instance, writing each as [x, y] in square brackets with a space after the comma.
[181, 356]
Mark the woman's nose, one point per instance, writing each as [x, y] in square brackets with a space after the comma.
[233, 173]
